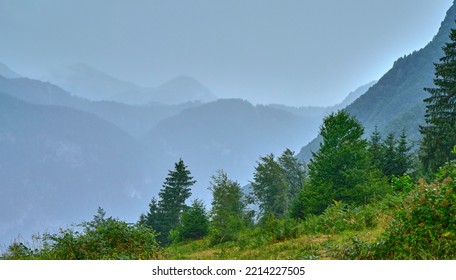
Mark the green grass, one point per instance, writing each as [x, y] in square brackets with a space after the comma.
[331, 235]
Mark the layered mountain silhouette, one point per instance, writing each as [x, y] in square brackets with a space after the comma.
[229, 134]
[92, 84]
[134, 119]
[94, 140]
[58, 165]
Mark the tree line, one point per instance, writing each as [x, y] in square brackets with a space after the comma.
[346, 168]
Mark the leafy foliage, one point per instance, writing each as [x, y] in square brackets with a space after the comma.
[402, 184]
[424, 227]
[294, 171]
[102, 238]
[340, 217]
[228, 213]
[270, 187]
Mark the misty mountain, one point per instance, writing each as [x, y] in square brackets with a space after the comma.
[87, 82]
[6, 72]
[395, 102]
[92, 84]
[229, 134]
[352, 96]
[401, 89]
[134, 119]
[58, 165]
[182, 89]
[320, 112]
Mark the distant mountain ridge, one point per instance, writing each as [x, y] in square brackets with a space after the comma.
[87, 82]
[134, 119]
[320, 112]
[228, 134]
[58, 165]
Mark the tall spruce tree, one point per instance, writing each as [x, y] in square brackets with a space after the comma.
[403, 157]
[175, 191]
[439, 132]
[152, 217]
[376, 148]
[389, 163]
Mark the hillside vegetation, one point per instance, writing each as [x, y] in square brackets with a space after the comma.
[400, 220]
[363, 193]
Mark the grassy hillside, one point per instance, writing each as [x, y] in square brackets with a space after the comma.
[340, 232]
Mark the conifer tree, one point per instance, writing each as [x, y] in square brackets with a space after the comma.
[376, 148]
[439, 132]
[194, 224]
[403, 157]
[175, 191]
[152, 217]
[389, 164]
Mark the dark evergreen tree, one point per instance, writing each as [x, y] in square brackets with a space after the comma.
[376, 148]
[99, 218]
[403, 156]
[270, 188]
[228, 215]
[294, 171]
[389, 162]
[194, 223]
[175, 191]
[439, 133]
[152, 217]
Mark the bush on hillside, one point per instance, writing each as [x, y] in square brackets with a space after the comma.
[100, 239]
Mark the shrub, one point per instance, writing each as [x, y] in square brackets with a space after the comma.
[274, 229]
[402, 184]
[100, 239]
[425, 228]
[194, 224]
[341, 217]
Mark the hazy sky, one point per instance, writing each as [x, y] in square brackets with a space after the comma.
[297, 52]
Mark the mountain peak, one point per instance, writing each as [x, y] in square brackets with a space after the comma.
[185, 88]
[88, 82]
